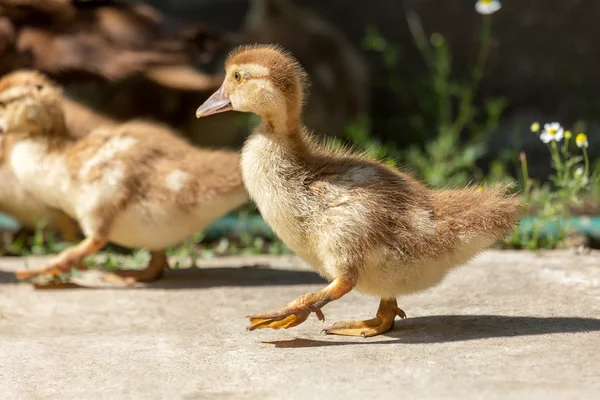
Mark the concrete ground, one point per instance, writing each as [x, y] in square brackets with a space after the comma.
[508, 325]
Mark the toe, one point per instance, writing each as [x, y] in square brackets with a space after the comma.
[364, 332]
[368, 328]
[258, 323]
[284, 322]
[400, 313]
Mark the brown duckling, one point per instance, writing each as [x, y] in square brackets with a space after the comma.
[135, 184]
[79, 118]
[31, 213]
[14, 200]
[359, 223]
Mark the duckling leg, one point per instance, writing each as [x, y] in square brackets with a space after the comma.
[298, 310]
[155, 269]
[383, 322]
[66, 260]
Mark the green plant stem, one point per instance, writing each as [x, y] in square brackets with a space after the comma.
[466, 101]
[525, 169]
[445, 102]
[587, 162]
[556, 157]
[565, 148]
[418, 33]
[484, 51]
[565, 153]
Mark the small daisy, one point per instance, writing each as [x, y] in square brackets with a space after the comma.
[578, 172]
[552, 132]
[535, 127]
[487, 6]
[581, 140]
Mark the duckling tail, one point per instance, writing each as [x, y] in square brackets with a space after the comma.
[470, 212]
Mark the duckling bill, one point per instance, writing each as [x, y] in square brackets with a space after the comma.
[359, 223]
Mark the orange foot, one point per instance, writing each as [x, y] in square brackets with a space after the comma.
[55, 267]
[298, 310]
[65, 261]
[287, 317]
[383, 322]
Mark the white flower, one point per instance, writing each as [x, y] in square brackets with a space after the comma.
[552, 132]
[581, 140]
[487, 6]
[578, 172]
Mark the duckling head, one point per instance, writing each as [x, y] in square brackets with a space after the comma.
[26, 77]
[31, 109]
[261, 79]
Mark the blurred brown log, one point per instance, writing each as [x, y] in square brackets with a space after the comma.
[75, 41]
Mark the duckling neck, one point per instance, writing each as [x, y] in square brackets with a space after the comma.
[284, 128]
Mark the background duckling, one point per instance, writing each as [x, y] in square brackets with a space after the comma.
[31, 213]
[79, 118]
[14, 200]
[136, 184]
[359, 223]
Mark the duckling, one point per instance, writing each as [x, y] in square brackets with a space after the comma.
[135, 184]
[361, 224]
[17, 202]
[79, 118]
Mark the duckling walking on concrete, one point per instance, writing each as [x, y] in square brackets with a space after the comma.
[359, 223]
[136, 184]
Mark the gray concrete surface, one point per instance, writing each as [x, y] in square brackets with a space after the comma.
[508, 325]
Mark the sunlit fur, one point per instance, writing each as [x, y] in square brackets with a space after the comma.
[346, 215]
[80, 120]
[14, 199]
[117, 181]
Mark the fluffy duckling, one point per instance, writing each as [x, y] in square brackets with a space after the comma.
[136, 184]
[79, 118]
[14, 200]
[29, 211]
[359, 223]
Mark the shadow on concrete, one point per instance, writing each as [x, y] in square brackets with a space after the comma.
[198, 278]
[8, 277]
[458, 328]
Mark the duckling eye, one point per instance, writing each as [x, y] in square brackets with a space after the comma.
[237, 77]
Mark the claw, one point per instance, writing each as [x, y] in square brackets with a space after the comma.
[320, 314]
